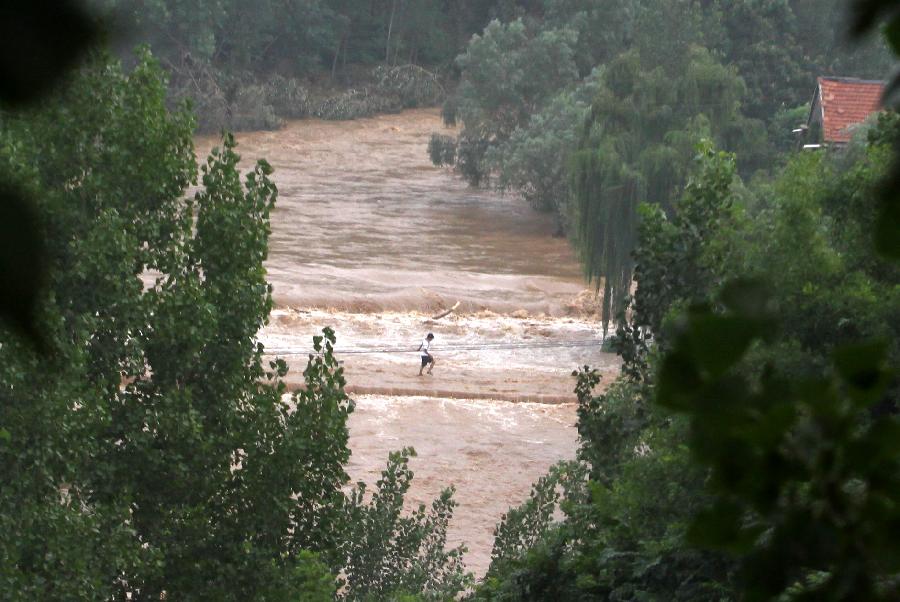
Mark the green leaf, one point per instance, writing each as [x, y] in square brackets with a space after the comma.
[39, 42]
[747, 297]
[718, 342]
[720, 527]
[892, 34]
[862, 367]
[22, 268]
[678, 381]
[887, 228]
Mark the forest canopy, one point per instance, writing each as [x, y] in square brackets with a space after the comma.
[636, 94]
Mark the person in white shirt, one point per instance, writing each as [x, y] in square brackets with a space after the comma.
[427, 359]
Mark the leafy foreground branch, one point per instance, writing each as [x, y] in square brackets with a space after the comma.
[152, 454]
[805, 486]
[749, 449]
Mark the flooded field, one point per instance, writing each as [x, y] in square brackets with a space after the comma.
[372, 240]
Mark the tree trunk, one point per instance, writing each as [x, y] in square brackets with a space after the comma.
[387, 46]
[337, 54]
[446, 312]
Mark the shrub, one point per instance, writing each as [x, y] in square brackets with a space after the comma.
[413, 85]
[470, 153]
[449, 111]
[388, 554]
[442, 149]
[222, 102]
[250, 109]
[354, 104]
[288, 97]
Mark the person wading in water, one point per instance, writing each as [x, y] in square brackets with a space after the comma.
[427, 359]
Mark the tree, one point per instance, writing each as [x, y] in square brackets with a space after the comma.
[153, 453]
[674, 262]
[508, 75]
[389, 555]
[751, 454]
[635, 148]
[38, 52]
[759, 39]
[603, 27]
[534, 161]
[147, 465]
[824, 39]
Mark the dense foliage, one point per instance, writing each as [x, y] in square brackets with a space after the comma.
[303, 38]
[749, 449]
[150, 452]
[44, 51]
[635, 85]
[248, 65]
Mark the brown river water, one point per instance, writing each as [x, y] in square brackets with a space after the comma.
[371, 239]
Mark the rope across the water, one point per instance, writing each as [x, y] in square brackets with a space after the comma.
[448, 348]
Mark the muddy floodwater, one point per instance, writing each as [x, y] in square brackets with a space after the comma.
[372, 240]
[364, 222]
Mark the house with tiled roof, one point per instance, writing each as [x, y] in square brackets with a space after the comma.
[839, 105]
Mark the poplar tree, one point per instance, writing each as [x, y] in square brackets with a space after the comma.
[151, 452]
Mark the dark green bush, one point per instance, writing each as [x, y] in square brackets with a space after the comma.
[442, 149]
[389, 554]
[449, 110]
[470, 159]
[250, 109]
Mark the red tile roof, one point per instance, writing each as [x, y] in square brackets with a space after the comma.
[846, 102]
